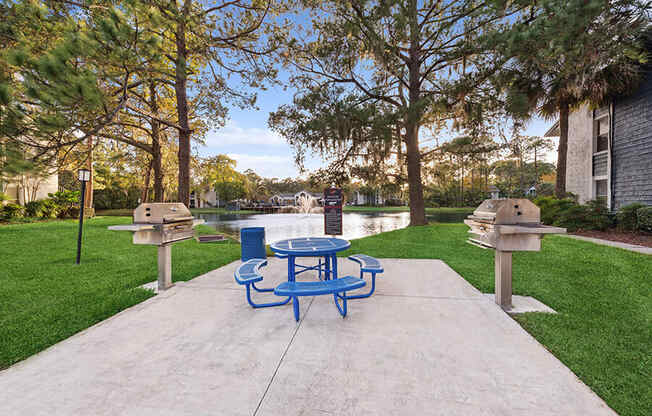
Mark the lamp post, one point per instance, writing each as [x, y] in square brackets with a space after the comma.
[84, 175]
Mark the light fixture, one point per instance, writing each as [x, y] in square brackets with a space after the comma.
[84, 175]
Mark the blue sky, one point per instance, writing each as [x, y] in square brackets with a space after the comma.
[247, 139]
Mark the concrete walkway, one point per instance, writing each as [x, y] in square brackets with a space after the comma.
[427, 344]
[625, 246]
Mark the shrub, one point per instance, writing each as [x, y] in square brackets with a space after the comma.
[552, 207]
[592, 216]
[644, 218]
[65, 202]
[599, 215]
[545, 189]
[33, 209]
[627, 217]
[49, 208]
[116, 198]
[11, 211]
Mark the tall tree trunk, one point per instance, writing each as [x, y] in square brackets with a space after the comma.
[180, 87]
[158, 171]
[413, 121]
[155, 127]
[417, 207]
[562, 150]
[461, 201]
[144, 196]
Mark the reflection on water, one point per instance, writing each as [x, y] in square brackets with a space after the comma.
[282, 226]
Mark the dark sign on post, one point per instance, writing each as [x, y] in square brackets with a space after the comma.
[333, 211]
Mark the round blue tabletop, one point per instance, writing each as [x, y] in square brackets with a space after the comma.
[310, 246]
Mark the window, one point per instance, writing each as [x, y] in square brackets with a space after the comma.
[601, 189]
[602, 134]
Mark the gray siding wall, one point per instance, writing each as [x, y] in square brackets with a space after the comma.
[632, 147]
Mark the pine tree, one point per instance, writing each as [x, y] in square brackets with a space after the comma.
[423, 59]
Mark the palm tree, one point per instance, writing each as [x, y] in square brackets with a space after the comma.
[574, 58]
[592, 83]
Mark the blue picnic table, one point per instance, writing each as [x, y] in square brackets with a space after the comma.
[326, 247]
[248, 273]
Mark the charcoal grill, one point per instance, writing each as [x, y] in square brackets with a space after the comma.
[507, 225]
[161, 224]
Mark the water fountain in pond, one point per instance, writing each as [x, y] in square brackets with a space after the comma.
[306, 204]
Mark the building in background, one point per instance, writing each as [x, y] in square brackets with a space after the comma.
[610, 149]
[29, 187]
[207, 198]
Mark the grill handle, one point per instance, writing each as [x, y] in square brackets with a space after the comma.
[172, 218]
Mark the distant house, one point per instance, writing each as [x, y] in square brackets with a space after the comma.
[282, 199]
[205, 199]
[26, 188]
[367, 198]
[610, 149]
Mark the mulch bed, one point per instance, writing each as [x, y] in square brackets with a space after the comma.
[619, 236]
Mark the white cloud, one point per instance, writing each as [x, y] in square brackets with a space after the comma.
[267, 166]
[234, 134]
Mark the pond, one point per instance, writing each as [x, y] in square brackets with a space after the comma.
[282, 226]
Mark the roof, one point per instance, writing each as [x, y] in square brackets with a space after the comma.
[553, 131]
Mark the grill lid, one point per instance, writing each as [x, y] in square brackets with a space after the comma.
[161, 213]
[506, 211]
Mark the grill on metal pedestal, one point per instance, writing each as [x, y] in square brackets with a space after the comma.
[161, 224]
[507, 225]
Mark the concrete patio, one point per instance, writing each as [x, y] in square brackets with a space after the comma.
[427, 343]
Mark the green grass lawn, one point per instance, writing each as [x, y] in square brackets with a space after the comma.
[45, 297]
[603, 331]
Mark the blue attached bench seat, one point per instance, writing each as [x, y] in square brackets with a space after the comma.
[247, 274]
[325, 287]
[367, 264]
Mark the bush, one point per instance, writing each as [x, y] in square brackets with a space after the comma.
[627, 216]
[592, 216]
[552, 207]
[33, 209]
[11, 211]
[644, 218]
[65, 202]
[49, 208]
[116, 198]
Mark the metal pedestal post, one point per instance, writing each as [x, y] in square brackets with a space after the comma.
[164, 267]
[503, 278]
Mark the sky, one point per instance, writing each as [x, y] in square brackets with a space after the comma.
[247, 138]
